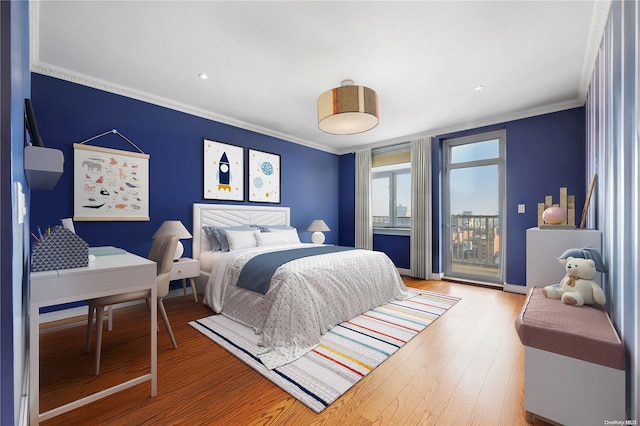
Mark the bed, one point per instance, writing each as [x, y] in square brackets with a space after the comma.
[305, 297]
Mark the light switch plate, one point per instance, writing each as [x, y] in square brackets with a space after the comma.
[520, 208]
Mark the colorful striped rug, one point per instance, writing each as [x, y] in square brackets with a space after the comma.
[346, 353]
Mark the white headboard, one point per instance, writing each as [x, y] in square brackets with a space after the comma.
[232, 215]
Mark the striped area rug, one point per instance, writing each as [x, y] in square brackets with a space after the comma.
[346, 353]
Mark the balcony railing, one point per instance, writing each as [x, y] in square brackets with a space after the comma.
[475, 242]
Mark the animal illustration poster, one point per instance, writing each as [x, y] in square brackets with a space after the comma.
[264, 177]
[223, 171]
[109, 184]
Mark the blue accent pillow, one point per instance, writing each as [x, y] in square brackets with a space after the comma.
[213, 239]
[271, 228]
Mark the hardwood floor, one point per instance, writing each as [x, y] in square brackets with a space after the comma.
[464, 369]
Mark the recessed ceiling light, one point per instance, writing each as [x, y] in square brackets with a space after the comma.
[478, 88]
[203, 76]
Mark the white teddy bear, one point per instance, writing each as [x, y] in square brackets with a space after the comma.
[577, 287]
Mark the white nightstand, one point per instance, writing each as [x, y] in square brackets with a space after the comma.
[184, 268]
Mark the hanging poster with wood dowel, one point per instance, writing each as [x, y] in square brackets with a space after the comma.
[109, 184]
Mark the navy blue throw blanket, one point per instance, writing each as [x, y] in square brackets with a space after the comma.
[257, 272]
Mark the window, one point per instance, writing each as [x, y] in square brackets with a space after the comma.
[473, 197]
[391, 188]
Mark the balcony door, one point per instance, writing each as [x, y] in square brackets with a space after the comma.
[474, 193]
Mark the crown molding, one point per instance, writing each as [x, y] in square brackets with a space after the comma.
[599, 19]
[84, 80]
[505, 118]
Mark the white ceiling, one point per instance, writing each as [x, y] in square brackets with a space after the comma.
[269, 61]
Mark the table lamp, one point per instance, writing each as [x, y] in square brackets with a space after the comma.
[174, 227]
[318, 227]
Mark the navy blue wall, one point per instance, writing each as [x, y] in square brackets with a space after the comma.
[397, 247]
[69, 113]
[346, 193]
[544, 153]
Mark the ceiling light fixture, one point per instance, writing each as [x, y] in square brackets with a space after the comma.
[203, 76]
[478, 88]
[348, 109]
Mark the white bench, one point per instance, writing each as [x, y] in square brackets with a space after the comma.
[574, 363]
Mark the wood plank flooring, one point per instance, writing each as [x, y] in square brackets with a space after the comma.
[466, 368]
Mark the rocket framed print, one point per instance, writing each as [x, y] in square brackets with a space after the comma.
[223, 171]
[264, 177]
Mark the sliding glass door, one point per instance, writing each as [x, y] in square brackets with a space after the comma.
[473, 205]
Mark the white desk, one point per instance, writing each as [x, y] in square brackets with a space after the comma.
[107, 275]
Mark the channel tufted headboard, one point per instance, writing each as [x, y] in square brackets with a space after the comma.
[232, 215]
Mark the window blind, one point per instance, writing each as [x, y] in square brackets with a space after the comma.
[396, 154]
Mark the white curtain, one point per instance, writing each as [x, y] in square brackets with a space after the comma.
[421, 228]
[364, 225]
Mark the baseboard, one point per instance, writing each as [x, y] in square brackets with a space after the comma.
[404, 271]
[435, 276]
[82, 310]
[513, 288]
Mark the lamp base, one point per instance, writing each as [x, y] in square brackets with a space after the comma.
[317, 237]
[179, 251]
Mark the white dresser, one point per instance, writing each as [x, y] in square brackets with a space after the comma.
[544, 246]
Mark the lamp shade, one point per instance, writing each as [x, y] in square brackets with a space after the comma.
[174, 227]
[318, 225]
[348, 109]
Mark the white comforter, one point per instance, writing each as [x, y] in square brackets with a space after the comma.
[307, 296]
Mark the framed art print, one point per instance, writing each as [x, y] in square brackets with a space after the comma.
[264, 177]
[223, 171]
[109, 184]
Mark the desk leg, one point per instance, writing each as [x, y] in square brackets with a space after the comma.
[154, 340]
[34, 365]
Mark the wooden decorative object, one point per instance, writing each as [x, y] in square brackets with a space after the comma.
[563, 202]
[567, 203]
[540, 212]
[571, 210]
[586, 203]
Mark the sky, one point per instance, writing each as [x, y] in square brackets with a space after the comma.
[474, 189]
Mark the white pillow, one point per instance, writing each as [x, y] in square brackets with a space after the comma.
[291, 235]
[271, 238]
[241, 239]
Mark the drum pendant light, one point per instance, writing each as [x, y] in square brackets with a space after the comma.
[348, 109]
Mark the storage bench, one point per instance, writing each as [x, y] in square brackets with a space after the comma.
[574, 362]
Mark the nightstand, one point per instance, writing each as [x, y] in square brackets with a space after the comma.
[184, 268]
